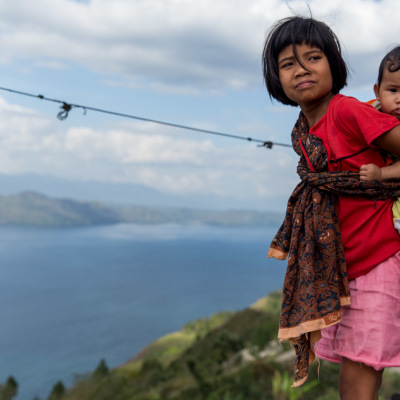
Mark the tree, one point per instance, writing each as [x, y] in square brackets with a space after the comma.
[101, 370]
[57, 391]
[9, 389]
[203, 385]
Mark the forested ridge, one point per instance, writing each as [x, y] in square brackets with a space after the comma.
[228, 356]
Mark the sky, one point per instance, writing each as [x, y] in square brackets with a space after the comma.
[188, 62]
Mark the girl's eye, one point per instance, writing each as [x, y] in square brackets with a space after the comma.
[286, 65]
[392, 90]
[314, 58]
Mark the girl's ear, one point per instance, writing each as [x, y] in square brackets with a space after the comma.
[376, 90]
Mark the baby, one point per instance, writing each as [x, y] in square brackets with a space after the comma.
[387, 92]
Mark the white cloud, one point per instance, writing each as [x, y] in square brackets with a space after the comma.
[136, 152]
[177, 49]
[192, 45]
[133, 147]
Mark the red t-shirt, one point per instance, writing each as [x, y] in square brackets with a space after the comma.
[347, 130]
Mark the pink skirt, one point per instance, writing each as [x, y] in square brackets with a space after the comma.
[369, 331]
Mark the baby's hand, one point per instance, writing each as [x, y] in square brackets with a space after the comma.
[370, 172]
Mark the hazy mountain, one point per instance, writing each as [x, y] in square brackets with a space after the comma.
[35, 209]
[31, 208]
[79, 190]
[116, 193]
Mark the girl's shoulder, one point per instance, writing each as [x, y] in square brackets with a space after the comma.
[344, 108]
[358, 120]
[342, 101]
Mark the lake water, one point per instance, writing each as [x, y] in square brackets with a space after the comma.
[70, 297]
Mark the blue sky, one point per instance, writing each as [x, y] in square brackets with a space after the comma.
[195, 63]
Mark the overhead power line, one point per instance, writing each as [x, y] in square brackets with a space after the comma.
[65, 108]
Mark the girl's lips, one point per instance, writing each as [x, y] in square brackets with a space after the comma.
[304, 84]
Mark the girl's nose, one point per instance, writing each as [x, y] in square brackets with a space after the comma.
[301, 70]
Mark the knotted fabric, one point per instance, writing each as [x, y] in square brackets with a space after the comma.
[316, 285]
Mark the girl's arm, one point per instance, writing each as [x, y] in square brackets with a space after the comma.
[371, 172]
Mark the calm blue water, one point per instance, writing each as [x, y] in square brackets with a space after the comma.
[70, 297]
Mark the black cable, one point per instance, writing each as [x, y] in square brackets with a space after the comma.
[66, 107]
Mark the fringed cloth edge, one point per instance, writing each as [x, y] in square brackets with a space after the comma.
[276, 253]
[311, 326]
[314, 337]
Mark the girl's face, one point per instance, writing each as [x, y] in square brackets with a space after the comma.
[388, 93]
[306, 87]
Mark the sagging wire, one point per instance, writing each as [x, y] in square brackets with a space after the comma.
[65, 108]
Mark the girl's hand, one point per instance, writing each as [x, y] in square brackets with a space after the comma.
[370, 172]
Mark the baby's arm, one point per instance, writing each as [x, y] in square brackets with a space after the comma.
[370, 172]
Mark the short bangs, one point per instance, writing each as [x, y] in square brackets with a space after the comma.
[297, 30]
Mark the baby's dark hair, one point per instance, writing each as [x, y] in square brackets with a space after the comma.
[298, 30]
[391, 62]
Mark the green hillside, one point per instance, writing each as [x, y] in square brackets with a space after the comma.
[228, 356]
[34, 209]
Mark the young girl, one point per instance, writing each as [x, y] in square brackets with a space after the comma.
[334, 136]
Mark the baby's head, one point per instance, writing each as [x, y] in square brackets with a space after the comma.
[294, 31]
[387, 89]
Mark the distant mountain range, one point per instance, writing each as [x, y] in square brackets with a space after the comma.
[124, 193]
[35, 209]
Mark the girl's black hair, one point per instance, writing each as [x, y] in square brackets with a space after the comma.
[391, 62]
[298, 30]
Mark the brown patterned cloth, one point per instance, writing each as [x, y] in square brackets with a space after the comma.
[316, 285]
